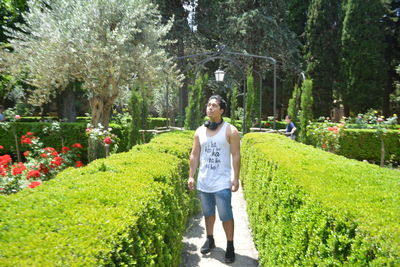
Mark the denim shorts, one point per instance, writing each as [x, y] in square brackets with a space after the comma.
[221, 199]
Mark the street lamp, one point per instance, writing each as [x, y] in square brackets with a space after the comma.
[219, 75]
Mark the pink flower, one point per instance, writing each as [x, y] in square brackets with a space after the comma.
[1, 147]
[17, 117]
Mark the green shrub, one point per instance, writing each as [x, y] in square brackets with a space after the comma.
[127, 210]
[308, 207]
[364, 144]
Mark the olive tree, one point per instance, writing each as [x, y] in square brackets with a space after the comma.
[107, 45]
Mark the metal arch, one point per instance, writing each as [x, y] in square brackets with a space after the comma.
[218, 55]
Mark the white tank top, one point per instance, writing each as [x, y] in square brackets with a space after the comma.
[215, 161]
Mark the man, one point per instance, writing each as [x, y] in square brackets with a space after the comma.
[214, 144]
[2, 117]
[290, 128]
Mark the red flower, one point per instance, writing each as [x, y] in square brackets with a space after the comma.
[21, 166]
[44, 155]
[4, 160]
[26, 140]
[324, 146]
[107, 140]
[64, 149]
[26, 153]
[51, 149]
[33, 173]
[79, 164]
[3, 170]
[54, 153]
[16, 171]
[43, 169]
[1, 147]
[29, 133]
[77, 145]
[34, 184]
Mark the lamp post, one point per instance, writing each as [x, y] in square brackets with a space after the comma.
[219, 75]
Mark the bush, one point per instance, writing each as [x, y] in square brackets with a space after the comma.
[127, 210]
[364, 144]
[308, 207]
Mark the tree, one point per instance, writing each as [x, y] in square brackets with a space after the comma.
[363, 48]
[195, 109]
[233, 104]
[322, 37]
[294, 103]
[106, 45]
[306, 114]
[296, 17]
[249, 102]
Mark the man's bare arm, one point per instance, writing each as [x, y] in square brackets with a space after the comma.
[235, 150]
[194, 160]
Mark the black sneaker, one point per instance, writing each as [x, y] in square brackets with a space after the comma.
[230, 256]
[208, 245]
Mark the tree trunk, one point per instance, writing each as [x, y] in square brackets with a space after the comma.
[67, 110]
[382, 152]
[101, 112]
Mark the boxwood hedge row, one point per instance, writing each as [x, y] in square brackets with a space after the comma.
[363, 144]
[308, 207]
[127, 210]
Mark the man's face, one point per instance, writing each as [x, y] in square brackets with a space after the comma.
[213, 109]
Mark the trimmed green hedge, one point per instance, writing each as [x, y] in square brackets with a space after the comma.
[127, 210]
[308, 207]
[363, 144]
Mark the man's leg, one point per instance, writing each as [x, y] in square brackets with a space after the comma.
[223, 202]
[208, 207]
[229, 227]
[210, 220]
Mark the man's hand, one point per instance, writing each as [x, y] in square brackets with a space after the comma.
[190, 183]
[235, 185]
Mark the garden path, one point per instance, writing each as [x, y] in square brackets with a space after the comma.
[246, 253]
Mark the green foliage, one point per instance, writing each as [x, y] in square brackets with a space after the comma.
[296, 17]
[138, 116]
[306, 114]
[308, 207]
[294, 104]
[233, 104]
[127, 210]
[363, 48]
[195, 108]
[250, 98]
[364, 144]
[322, 51]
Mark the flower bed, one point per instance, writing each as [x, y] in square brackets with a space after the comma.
[42, 164]
[308, 207]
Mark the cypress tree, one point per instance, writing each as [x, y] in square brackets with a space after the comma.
[306, 113]
[294, 103]
[322, 52]
[135, 103]
[249, 102]
[233, 104]
[364, 68]
[194, 110]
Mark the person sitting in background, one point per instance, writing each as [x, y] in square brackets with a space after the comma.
[2, 117]
[290, 128]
